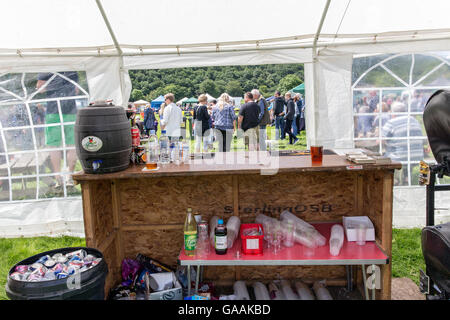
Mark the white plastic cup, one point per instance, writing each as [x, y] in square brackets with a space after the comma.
[361, 235]
[161, 281]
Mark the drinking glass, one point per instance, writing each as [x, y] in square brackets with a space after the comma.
[267, 225]
[316, 154]
[288, 232]
[361, 234]
[277, 237]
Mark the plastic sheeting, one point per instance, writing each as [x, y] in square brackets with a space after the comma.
[329, 114]
[53, 217]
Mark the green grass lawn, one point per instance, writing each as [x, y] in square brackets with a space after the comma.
[406, 253]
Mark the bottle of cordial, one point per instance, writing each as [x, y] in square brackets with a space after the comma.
[220, 237]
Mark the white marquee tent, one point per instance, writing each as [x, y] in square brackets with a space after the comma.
[106, 38]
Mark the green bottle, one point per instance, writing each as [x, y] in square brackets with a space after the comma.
[190, 233]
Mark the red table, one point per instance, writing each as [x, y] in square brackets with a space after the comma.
[350, 254]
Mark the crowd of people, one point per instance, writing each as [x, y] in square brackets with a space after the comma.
[389, 120]
[216, 120]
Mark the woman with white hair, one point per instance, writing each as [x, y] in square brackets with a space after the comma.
[224, 121]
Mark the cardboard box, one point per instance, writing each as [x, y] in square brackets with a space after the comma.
[176, 293]
[351, 223]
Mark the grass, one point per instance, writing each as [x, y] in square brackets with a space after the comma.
[406, 253]
[407, 256]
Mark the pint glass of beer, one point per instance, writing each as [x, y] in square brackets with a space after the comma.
[316, 154]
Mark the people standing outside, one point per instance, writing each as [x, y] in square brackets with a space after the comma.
[172, 117]
[224, 120]
[302, 120]
[289, 117]
[60, 87]
[201, 122]
[264, 118]
[211, 106]
[296, 122]
[149, 120]
[278, 115]
[248, 121]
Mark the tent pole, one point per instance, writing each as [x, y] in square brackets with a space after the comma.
[119, 51]
[108, 25]
[315, 82]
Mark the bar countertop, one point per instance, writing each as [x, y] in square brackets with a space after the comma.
[239, 163]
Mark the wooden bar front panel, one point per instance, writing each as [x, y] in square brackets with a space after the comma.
[127, 216]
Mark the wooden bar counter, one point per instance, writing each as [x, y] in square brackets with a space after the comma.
[132, 211]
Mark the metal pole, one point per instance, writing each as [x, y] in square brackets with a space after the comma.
[430, 199]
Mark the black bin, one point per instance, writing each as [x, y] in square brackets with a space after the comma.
[103, 138]
[92, 282]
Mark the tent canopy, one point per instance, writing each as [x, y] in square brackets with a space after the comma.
[210, 97]
[299, 89]
[179, 102]
[190, 100]
[155, 104]
[141, 103]
[114, 28]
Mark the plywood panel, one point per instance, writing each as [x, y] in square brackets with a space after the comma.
[320, 196]
[114, 270]
[162, 245]
[165, 200]
[101, 202]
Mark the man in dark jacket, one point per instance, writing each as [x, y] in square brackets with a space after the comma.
[278, 114]
[289, 117]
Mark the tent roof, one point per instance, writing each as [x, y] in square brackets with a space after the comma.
[210, 97]
[299, 89]
[182, 100]
[159, 99]
[101, 27]
[191, 100]
[140, 102]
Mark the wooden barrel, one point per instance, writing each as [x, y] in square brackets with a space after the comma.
[103, 138]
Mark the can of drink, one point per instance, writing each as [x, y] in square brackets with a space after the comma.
[35, 266]
[21, 269]
[76, 263]
[43, 259]
[72, 269]
[61, 275]
[89, 258]
[34, 277]
[16, 276]
[40, 271]
[50, 275]
[135, 138]
[203, 229]
[75, 258]
[57, 268]
[50, 263]
[96, 261]
[61, 259]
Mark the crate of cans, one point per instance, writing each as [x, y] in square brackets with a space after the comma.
[58, 274]
[55, 266]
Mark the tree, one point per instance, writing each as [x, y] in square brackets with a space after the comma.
[289, 82]
[136, 95]
[234, 88]
[208, 86]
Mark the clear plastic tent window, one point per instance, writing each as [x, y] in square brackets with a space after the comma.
[37, 117]
[389, 96]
